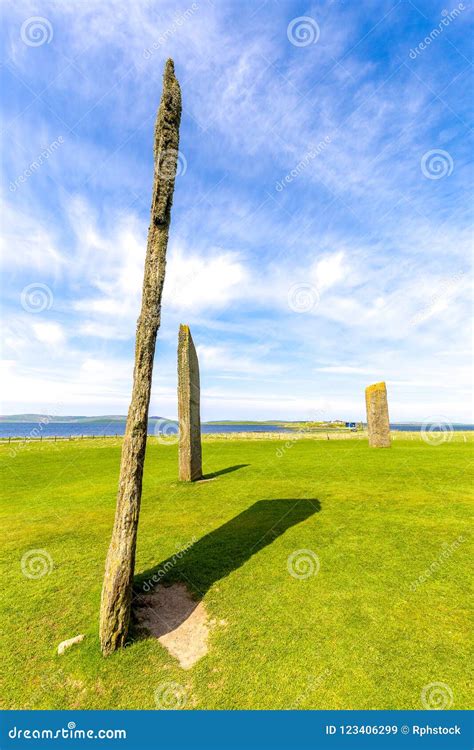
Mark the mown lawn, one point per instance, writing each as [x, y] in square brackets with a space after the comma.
[363, 632]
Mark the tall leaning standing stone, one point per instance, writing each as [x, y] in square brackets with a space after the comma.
[119, 567]
[189, 397]
[378, 424]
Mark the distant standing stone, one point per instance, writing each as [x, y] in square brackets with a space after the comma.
[189, 397]
[377, 416]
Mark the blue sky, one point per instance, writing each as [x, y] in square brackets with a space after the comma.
[320, 228]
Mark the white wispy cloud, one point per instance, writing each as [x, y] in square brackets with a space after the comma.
[49, 333]
[200, 282]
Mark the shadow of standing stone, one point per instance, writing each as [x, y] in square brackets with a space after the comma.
[189, 396]
[378, 424]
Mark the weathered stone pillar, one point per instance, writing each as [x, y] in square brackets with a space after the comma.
[377, 416]
[118, 579]
[189, 397]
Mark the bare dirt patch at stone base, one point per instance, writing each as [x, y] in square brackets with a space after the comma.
[179, 622]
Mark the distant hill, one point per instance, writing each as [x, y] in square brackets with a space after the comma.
[111, 418]
[69, 419]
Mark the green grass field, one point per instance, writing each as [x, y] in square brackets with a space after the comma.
[363, 632]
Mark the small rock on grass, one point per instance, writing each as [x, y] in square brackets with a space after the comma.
[70, 642]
